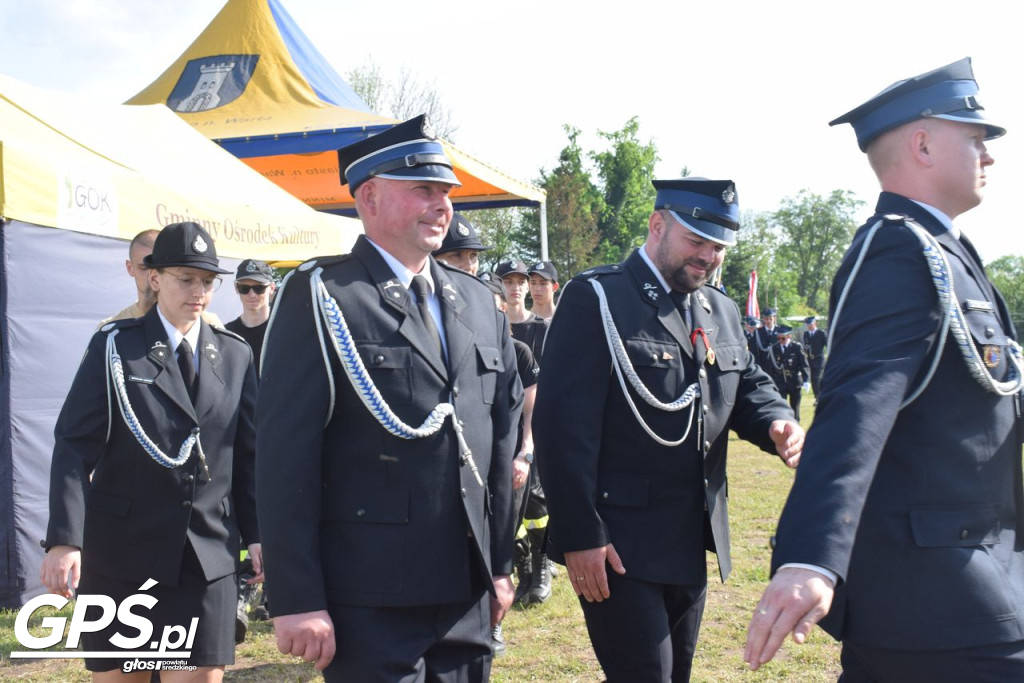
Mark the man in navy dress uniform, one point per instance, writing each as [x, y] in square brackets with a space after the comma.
[815, 343]
[903, 529]
[387, 418]
[789, 355]
[634, 468]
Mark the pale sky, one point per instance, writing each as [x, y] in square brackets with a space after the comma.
[741, 90]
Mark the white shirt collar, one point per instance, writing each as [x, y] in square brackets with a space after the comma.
[175, 337]
[946, 221]
[403, 274]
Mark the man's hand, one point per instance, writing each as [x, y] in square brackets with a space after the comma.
[520, 472]
[309, 635]
[58, 562]
[256, 557]
[788, 437]
[794, 602]
[506, 592]
[587, 573]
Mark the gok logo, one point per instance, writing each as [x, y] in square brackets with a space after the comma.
[126, 646]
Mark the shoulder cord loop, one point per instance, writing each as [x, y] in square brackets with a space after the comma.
[326, 310]
[625, 371]
[953, 321]
[115, 373]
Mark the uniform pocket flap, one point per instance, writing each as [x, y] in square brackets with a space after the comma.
[965, 526]
[647, 353]
[374, 506]
[731, 356]
[109, 503]
[625, 491]
[378, 356]
[490, 358]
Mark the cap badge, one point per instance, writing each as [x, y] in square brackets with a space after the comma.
[729, 195]
[199, 245]
[462, 230]
[428, 130]
[250, 267]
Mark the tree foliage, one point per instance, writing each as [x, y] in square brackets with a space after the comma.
[574, 207]
[402, 98]
[1007, 274]
[816, 231]
[625, 171]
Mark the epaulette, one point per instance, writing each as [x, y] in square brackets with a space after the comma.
[121, 324]
[227, 333]
[895, 218]
[598, 271]
[322, 261]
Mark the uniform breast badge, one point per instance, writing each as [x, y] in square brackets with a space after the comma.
[991, 356]
[703, 336]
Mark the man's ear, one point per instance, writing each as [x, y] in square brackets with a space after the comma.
[920, 142]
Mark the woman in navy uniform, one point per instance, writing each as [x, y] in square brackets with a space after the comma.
[153, 477]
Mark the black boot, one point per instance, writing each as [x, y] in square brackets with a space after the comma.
[524, 572]
[540, 587]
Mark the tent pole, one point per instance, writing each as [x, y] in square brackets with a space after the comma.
[543, 231]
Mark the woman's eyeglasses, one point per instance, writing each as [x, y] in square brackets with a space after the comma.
[245, 289]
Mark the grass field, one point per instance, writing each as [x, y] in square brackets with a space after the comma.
[549, 642]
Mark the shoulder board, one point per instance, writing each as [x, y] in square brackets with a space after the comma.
[598, 271]
[895, 218]
[121, 324]
[227, 333]
[322, 262]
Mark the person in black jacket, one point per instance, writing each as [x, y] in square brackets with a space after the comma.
[903, 530]
[632, 444]
[153, 463]
[387, 418]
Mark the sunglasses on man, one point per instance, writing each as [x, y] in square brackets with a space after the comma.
[245, 289]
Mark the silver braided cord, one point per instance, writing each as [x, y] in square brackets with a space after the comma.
[362, 383]
[953, 320]
[625, 372]
[131, 420]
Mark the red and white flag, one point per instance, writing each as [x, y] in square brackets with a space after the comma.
[753, 310]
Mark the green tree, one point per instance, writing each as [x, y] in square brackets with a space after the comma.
[508, 231]
[816, 231]
[1007, 274]
[574, 206]
[625, 173]
[758, 249]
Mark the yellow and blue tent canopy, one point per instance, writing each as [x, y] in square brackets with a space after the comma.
[254, 83]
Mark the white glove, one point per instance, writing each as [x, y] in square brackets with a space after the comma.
[807, 386]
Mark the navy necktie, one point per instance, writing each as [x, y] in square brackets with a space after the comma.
[187, 366]
[422, 290]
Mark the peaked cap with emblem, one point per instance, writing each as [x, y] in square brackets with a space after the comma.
[513, 267]
[251, 269]
[948, 92]
[407, 151]
[184, 245]
[709, 208]
[546, 269]
[461, 235]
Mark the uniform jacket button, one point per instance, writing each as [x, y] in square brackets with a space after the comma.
[463, 492]
[989, 332]
[455, 391]
[963, 533]
[188, 478]
[360, 512]
[707, 445]
[604, 495]
[186, 503]
[703, 373]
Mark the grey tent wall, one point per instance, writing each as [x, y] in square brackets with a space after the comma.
[55, 286]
